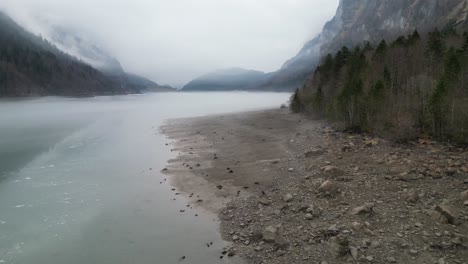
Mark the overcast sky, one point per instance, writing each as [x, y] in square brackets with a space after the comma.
[173, 41]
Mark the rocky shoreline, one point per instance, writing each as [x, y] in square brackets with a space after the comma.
[292, 190]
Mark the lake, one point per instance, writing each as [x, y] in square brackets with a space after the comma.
[80, 179]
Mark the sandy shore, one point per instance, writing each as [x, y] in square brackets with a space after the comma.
[292, 190]
[227, 156]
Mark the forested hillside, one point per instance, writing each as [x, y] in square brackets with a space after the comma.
[414, 85]
[30, 66]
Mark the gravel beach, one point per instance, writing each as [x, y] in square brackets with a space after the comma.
[289, 189]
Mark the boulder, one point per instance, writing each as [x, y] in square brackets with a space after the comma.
[448, 212]
[412, 196]
[339, 246]
[314, 211]
[331, 171]
[288, 198]
[364, 209]
[314, 153]
[371, 142]
[328, 187]
[356, 226]
[438, 217]
[270, 234]
[464, 195]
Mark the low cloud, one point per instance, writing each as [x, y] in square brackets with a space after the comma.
[173, 41]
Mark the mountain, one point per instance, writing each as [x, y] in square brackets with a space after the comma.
[87, 51]
[31, 66]
[395, 68]
[227, 79]
[357, 21]
[83, 48]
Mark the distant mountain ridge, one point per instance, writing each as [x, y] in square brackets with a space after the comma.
[33, 66]
[86, 50]
[227, 79]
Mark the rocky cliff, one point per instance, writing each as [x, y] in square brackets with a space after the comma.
[357, 21]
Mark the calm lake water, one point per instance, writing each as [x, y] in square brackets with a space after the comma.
[80, 180]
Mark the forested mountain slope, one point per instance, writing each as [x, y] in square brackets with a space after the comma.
[30, 66]
[414, 85]
[357, 21]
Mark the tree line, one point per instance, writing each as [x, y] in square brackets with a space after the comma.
[415, 85]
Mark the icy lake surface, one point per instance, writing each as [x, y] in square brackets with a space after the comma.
[80, 180]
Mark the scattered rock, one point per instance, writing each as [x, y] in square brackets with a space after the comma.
[412, 196]
[314, 153]
[364, 209]
[464, 195]
[270, 234]
[371, 142]
[288, 198]
[328, 187]
[354, 252]
[448, 212]
[356, 226]
[331, 171]
[339, 246]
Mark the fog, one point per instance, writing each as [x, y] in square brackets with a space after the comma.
[173, 41]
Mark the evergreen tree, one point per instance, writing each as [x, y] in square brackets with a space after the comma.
[436, 44]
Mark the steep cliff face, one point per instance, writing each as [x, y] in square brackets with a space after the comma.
[357, 21]
[371, 20]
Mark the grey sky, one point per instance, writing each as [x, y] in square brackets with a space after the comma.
[173, 41]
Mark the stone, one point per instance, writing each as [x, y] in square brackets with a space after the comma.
[270, 234]
[391, 260]
[288, 198]
[291, 169]
[448, 212]
[314, 211]
[309, 216]
[328, 187]
[354, 252]
[438, 217]
[314, 153]
[412, 196]
[364, 209]
[371, 142]
[356, 226]
[264, 201]
[464, 196]
[331, 171]
[339, 246]
[441, 261]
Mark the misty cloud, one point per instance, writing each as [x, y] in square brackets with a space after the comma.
[173, 41]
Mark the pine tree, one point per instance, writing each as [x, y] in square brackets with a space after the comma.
[368, 47]
[381, 50]
[296, 104]
[436, 44]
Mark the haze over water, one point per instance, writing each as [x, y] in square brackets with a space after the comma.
[80, 179]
